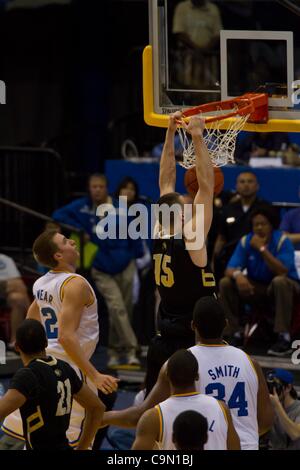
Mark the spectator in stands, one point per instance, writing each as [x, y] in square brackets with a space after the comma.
[290, 224]
[112, 269]
[285, 434]
[143, 285]
[268, 256]
[81, 213]
[261, 144]
[197, 25]
[13, 293]
[128, 187]
[234, 221]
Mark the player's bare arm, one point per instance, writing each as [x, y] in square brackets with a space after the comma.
[147, 432]
[76, 296]
[94, 413]
[205, 193]
[167, 168]
[265, 412]
[11, 401]
[129, 417]
[233, 440]
[34, 311]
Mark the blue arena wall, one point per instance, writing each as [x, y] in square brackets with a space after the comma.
[276, 184]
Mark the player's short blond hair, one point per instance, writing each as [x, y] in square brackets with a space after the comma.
[44, 249]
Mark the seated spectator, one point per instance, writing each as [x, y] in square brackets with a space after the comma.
[234, 221]
[81, 213]
[285, 433]
[112, 269]
[290, 224]
[14, 294]
[268, 256]
[261, 144]
[128, 187]
[143, 285]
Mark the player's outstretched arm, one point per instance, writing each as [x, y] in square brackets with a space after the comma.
[233, 440]
[94, 413]
[129, 417]
[76, 295]
[265, 412]
[147, 432]
[205, 193]
[167, 167]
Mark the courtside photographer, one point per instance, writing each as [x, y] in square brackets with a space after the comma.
[285, 433]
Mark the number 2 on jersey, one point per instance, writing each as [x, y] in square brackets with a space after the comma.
[237, 399]
[50, 322]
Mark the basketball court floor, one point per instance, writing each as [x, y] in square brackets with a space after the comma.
[131, 381]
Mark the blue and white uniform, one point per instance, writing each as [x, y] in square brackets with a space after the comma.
[228, 374]
[209, 407]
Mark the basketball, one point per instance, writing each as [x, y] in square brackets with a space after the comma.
[219, 181]
[191, 183]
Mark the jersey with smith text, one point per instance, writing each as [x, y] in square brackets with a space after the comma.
[228, 374]
[180, 284]
[48, 385]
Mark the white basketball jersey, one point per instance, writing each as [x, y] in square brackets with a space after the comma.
[210, 408]
[48, 293]
[228, 374]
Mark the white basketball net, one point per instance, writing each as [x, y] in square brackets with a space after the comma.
[220, 143]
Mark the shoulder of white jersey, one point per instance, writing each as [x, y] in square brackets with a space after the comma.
[161, 422]
[241, 353]
[89, 286]
[222, 408]
[252, 365]
[64, 283]
[39, 281]
[192, 349]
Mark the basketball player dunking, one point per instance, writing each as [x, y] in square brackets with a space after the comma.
[66, 305]
[182, 275]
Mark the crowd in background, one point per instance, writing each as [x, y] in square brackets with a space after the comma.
[121, 270]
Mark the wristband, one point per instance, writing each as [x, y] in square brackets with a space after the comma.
[262, 249]
[236, 273]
